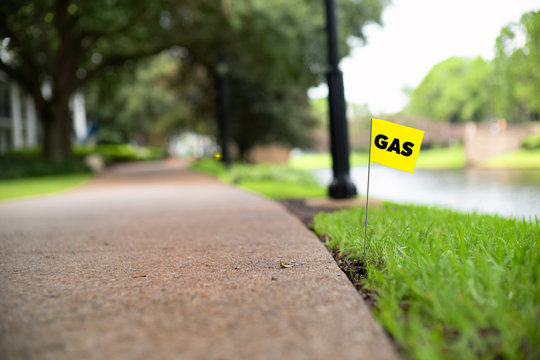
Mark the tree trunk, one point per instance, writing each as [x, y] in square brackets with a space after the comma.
[56, 132]
[243, 151]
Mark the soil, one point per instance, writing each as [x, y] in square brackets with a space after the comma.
[303, 211]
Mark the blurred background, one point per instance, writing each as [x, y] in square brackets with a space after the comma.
[89, 84]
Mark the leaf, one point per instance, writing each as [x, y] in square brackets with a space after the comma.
[285, 266]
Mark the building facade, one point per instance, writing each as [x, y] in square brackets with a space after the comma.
[19, 125]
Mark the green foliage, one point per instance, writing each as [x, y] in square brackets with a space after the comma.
[269, 172]
[150, 106]
[438, 158]
[442, 158]
[531, 142]
[122, 153]
[276, 51]
[447, 285]
[268, 116]
[27, 187]
[324, 160]
[209, 166]
[28, 163]
[319, 109]
[517, 159]
[280, 190]
[274, 181]
[459, 90]
[517, 75]
[68, 43]
[455, 90]
[311, 161]
[23, 164]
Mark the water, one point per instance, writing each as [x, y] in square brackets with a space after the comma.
[513, 193]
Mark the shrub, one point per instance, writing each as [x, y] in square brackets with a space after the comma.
[270, 172]
[209, 166]
[531, 142]
[122, 153]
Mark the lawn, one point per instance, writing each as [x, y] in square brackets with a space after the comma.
[518, 159]
[24, 173]
[115, 153]
[448, 285]
[273, 181]
[26, 187]
[28, 162]
[442, 158]
[439, 158]
[295, 180]
[310, 161]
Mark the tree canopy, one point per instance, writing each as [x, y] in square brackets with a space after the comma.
[141, 104]
[276, 51]
[65, 44]
[459, 89]
[454, 90]
[517, 70]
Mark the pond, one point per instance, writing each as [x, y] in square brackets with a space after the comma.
[505, 192]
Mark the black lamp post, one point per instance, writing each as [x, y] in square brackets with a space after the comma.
[341, 187]
[222, 105]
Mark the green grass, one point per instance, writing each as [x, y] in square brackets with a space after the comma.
[23, 173]
[323, 160]
[240, 173]
[275, 190]
[115, 153]
[209, 166]
[448, 285]
[28, 162]
[440, 158]
[273, 181]
[518, 159]
[531, 142]
[25, 165]
[22, 188]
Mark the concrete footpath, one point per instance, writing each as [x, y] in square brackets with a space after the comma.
[152, 261]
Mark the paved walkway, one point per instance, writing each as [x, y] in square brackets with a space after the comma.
[152, 261]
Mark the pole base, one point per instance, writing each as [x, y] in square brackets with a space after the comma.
[342, 188]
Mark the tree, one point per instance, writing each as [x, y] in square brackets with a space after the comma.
[66, 44]
[517, 70]
[151, 107]
[454, 90]
[276, 50]
[458, 89]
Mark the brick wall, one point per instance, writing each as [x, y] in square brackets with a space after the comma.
[269, 154]
[486, 141]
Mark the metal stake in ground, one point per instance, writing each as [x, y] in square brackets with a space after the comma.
[367, 192]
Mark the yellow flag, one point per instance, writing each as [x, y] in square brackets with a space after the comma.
[395, 145]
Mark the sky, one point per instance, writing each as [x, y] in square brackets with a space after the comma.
[417, 34]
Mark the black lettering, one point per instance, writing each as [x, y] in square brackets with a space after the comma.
[381, 144]
[394, 146]
[407, 148]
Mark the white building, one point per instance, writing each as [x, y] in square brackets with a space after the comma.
[189, 144]
[19, 126]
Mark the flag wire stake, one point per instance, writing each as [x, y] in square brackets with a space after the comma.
[367, 193]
